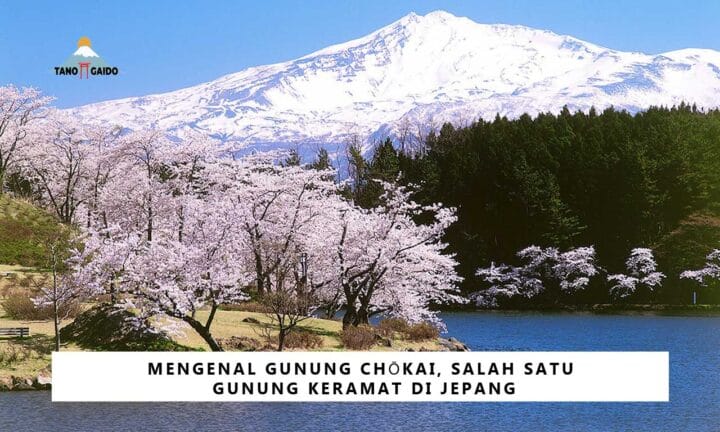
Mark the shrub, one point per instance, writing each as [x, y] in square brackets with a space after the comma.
[303, 340]
[249, 306]
[25, 280]
[19, 305]
[11, 354]
[110, 328]
[7, 287]
[361, 337]
[422, 331]
[240, 343]
[388, 326]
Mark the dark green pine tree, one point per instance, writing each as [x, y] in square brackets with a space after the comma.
[384, 166]
[292, 159]
[322, 160]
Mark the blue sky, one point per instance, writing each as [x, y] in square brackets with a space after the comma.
[165, 45]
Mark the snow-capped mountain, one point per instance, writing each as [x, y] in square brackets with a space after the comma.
[85, 51]
[421, 71]
[84, 54]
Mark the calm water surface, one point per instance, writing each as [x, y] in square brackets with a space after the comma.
[693, 342]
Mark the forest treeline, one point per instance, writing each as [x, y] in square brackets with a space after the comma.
[609, 179]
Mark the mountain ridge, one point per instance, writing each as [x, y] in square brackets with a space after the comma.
[419, 72]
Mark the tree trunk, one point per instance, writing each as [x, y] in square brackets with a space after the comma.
[330, 312]
[281, 339]
[150, 224]
[113, 297]
[203, 332]
[182, 225]
[55, 305]
[350, 316]
[57, 327]
[213, 309]
[259, 274]
[350, 310]
[361, 317]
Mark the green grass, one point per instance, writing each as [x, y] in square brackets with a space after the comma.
[34, 356]
[37, 348]
[230, 323]
[23, 229]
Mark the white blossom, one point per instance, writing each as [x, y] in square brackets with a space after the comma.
[641, 268]
[710, 271]
[571, 270]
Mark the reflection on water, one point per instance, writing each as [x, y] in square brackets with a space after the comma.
[693, 342]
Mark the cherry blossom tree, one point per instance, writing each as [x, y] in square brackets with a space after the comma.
[168, 245]
[172, 278]
[388, 263]
[709, 272]
[20, 109]
[542, 269]
[57, 163]
[68, 164]
[277, 207]
[144, 156]
[184, 167]
[180, 227]
[102, 168]
[642, 272]
[284, 213]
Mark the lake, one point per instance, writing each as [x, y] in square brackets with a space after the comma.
[693, 343]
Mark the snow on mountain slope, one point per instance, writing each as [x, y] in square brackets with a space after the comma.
[85, 51]
[420, 70]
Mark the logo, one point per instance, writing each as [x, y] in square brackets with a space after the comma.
[85, 62]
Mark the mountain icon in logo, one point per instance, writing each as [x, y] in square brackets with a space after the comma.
[84, 54]
[85, 61]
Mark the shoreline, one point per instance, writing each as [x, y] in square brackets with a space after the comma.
[19, 383]
[43, 382]
[605, 309]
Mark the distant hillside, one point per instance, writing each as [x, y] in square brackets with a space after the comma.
[611, 179]
[685, 248]
[23, 230]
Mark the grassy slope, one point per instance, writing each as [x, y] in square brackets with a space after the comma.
[226, 324]
[229, 323]
[23, 228]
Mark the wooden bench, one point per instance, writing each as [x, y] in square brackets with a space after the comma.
[15, 331]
